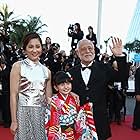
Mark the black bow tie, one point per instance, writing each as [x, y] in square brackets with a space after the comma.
[83, 68]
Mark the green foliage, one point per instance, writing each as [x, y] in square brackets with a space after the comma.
[7, 21]
[129, 47]
[136, 45]
[133, 46]
[25, 26]
[34, 24]
[17, 28]
[17, 34]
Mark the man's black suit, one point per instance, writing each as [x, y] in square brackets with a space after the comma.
[136, 118]
[95, 91]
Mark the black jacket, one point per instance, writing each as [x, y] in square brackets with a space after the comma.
[95, 91]
[75, 38]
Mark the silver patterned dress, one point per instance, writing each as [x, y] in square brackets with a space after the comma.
[31, 101]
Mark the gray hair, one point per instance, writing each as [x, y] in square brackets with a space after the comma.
[83, 42]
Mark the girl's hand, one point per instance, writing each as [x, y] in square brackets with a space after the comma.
[13, 127]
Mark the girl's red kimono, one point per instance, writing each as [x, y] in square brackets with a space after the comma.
[68, 121]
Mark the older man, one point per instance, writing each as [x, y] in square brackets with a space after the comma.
[90, 80]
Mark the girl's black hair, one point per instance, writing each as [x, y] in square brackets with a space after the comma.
[61, 77]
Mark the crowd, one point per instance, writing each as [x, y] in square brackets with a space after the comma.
[49, 95]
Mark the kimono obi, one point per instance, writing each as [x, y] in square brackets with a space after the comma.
[67, 128]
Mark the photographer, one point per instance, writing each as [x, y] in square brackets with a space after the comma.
[5, 82]
[76, 33]
[49, 59]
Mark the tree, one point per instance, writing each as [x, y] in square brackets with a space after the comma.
[129, 47]
[6, 19]
[136, 45]
[133, 47]
[16, 36]
[16, 29]
[33, 24]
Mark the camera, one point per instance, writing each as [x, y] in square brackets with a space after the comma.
[71, 27]
[55, 46]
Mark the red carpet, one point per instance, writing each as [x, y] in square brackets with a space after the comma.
[5, 134]
[119, 132]
[124, 131]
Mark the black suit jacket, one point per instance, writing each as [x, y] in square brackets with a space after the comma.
[95, 91]
[78, 36]
[5, 79]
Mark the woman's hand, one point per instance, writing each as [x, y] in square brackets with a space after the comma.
[13, 127]
[49, 100]
[76, 97]
[138, 98]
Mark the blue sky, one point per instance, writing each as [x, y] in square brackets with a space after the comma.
[116, 16]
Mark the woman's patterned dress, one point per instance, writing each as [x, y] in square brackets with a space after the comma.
[31, 101]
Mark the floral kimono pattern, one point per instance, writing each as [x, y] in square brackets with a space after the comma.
[63, 113]
[68, 121]
[85, 126]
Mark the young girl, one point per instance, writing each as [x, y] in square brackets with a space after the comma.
[68, 121]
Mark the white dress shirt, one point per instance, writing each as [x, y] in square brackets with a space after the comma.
[86, 73]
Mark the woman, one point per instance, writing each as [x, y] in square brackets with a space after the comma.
[91, 35]
[30, 85]
[48, 43]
